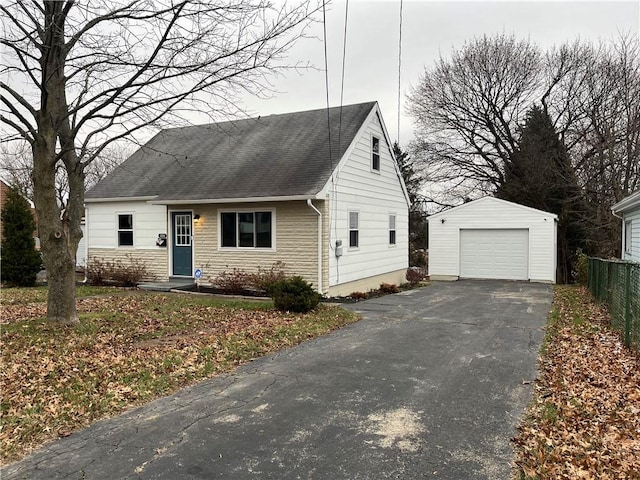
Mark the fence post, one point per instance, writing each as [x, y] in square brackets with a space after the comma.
[627, 305]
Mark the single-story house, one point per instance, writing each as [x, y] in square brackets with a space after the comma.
[249, 193]
[628, 209]
[493, 239]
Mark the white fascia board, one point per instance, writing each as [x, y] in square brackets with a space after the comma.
[119, 199]
[234, 200]
[627, 203]
[493, 199]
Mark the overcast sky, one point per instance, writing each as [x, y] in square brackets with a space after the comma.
[429, 30]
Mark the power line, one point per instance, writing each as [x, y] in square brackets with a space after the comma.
[399, 69]
[344, 56]
[326, 77]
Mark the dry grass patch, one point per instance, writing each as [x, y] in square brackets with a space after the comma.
[126, 351]
[584, 422]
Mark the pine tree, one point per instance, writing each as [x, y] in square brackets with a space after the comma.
[413, 180]
[20, 260]
[539, 174]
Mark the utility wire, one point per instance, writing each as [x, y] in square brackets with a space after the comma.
[326, 77]
[344, 56]
[399, 69]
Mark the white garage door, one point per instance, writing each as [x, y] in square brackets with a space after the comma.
[496, 253]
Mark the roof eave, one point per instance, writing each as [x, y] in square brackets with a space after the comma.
[120, 199]
[200, 201]
[627, 203]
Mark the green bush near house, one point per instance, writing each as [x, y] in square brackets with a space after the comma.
[294, 295]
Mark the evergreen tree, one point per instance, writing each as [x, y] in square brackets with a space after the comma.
[413, 180]
[20, 260]
[539, 174]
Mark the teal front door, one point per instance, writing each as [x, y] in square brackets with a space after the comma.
[181, 245]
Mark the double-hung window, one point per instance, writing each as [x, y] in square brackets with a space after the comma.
[354, 240]
[125, 230]
[375, 154]
[246, 229]
[392, 229]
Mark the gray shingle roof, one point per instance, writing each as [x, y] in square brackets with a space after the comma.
[273, 156]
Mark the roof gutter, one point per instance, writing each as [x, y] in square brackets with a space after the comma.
[200, 201]
[120, 199]
[312, 206]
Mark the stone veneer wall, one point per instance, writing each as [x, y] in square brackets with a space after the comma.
[155, 260]
[296, 241]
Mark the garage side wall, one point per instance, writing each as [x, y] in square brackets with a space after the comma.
[490, 213]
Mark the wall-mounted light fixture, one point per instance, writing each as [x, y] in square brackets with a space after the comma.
[196, 217]
[442, 220]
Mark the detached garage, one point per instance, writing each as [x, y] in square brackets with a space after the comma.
[493, 239]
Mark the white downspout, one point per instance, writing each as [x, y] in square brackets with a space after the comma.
[310, 205]
[86, 245]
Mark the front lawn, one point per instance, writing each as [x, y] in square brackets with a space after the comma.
[127, 350]
[584, 421]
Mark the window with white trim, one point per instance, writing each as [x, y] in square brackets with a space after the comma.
[628, 240]
[125, 230]
[392, 229]
[354, 233]
[375, 154]
[246, 229]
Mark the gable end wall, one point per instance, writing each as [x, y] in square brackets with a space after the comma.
[374, 195]
[444, 238]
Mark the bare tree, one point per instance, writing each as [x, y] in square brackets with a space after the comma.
[16, 165]
[469, 109]
[78, 76]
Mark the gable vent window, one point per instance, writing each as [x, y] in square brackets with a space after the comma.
[246, 229]
[354, 240]
[392, 229]
[375, 153]
[125, 230]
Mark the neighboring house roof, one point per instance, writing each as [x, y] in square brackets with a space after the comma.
[627, 203]
[497, 201]
[275, 156]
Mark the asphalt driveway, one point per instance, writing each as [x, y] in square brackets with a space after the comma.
[428, 385]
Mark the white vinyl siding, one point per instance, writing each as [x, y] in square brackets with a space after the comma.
[102, 226]
[631, 235]
[492, 214]
[373, 194]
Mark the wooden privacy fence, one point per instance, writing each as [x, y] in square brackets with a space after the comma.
[617, 284]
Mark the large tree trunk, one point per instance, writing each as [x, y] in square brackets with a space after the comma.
[58, 241]
[59, 229]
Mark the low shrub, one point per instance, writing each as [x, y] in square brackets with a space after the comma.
[234, 282]
[359, 295]
[415, 275]
[388, 288]
[264, 280]
[101, 272]
[294, 295]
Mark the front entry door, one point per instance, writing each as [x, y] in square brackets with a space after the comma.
[182, 243]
